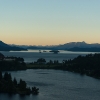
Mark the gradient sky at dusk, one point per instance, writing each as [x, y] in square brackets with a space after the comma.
[49, 22]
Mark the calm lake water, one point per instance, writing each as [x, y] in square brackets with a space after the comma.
[54, 84]
[57, 85]
[33, 55]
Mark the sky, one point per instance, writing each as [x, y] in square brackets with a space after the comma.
[49, 22]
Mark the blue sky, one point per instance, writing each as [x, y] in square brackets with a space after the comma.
[49, 22]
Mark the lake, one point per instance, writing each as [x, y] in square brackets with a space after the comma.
[57, 85]
[54, 84]
[33, 55]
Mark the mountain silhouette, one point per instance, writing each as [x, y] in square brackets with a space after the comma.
[78, 45]
[71, 46]
[6, 47]
[92, 49]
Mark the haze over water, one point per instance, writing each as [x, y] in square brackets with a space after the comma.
[33, 55]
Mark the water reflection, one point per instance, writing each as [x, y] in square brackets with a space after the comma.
[39, 83]
[57, 85]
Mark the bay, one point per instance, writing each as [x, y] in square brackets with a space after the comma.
[33, 55]
[54, 84]
[57, 85]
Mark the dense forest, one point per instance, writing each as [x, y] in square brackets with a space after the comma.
[11, 86]
[11, 63]
[89, 65]
[85, 65]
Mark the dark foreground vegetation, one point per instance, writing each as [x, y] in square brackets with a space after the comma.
[11, 63]
[85, 65]
[7, 85]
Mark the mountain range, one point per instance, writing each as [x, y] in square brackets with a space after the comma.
[77, 44]
[6, 47]
[71, 46]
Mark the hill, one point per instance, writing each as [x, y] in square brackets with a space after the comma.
[71, 46]
[6, 47]
[92, 49]
[78, 45]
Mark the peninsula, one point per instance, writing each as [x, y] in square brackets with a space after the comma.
[7, 85]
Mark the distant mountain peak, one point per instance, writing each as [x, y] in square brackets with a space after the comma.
[6, 47]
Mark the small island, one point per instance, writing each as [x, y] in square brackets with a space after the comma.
[7, 85]
[54, 51]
